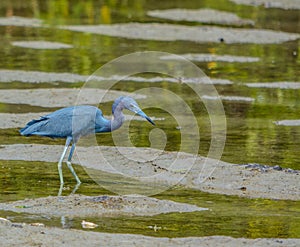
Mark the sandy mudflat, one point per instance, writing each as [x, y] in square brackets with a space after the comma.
[211, 16]
[283, 4]
[88, 206]
[169, 168]
[41, 45]
[20, 21]
[281, 85]
[170, 32]
[39, 76]
[293, 122]
[16, 234]
[204, 57]
[7, 76]
[229, 98]
[61, 97]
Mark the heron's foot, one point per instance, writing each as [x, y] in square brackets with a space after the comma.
[76, 188]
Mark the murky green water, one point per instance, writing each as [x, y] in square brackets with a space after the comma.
[251, 134]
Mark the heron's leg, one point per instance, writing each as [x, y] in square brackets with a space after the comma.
[68, 141]
[70, 165]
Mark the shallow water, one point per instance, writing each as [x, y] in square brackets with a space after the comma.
[254, 217]
[252, 137]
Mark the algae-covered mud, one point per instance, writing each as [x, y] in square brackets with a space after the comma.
[249, 51]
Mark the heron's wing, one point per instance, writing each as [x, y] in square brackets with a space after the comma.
[69, 121]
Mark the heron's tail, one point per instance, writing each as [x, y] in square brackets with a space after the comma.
[33, 127]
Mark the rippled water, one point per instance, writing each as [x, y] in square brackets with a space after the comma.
[252, 137]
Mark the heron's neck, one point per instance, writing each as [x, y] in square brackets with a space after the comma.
[117, 119]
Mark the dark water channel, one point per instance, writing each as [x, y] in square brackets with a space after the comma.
[252, 136]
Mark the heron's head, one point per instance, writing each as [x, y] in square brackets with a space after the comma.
[131, 105]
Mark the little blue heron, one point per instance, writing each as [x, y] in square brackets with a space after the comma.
[76, 121]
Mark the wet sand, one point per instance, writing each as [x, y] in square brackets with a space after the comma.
[204, 57]
[280, 85]
[170, 32]
[291, 122]
[61, 97]
[229, 98]
[97, 206]
[210, 16]
[7, 76]
[282, 4]
[16, 234]
[20, 21]
[41, 45]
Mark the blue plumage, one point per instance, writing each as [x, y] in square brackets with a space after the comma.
[76, 121]
[72, 122]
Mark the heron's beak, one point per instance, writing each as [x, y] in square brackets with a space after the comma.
[143, 115]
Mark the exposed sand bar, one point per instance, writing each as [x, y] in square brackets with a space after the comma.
[20, 21]
[282, 4]
[169, 32]
[204, 57]
[61, 97]
[14, 234]
[280, 85]
[50, 77]
[228, 98]
[169, 168]
[97, 206]
[210, 16]
[41, 44]
[294, 122]
[18, 120]
[39, 76]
